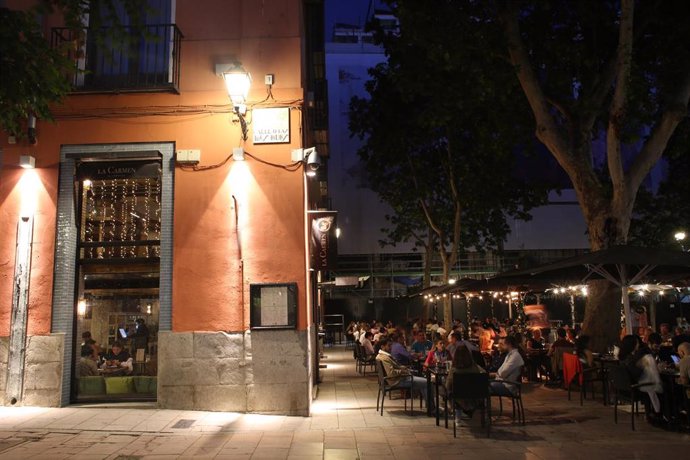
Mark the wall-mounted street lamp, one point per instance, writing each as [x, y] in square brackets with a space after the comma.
[310, 157]
[27, 161]
[237, 83]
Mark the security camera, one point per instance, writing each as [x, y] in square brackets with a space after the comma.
[312, 158]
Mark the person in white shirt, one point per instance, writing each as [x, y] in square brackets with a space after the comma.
[441, 330]
[510, 370]
[366, 344]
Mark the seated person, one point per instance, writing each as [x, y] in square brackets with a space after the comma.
[510, 370]
[118, 360]
[556, 351]
[497, 356]
[421, 345]
[88, 340]
[462, 364]
[684, 364]
[439, 355]
[679, 337]
[642, 368]
[367, 345]
[394, 369]
[398, 350]
[87, 365]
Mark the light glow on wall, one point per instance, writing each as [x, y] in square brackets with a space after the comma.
[29, 186]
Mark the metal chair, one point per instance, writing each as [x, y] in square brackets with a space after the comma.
[625, 391]
[515, 399]
[473, 387]
[386, 387]
[362, 361]
[574, 371]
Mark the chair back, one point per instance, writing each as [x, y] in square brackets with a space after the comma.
[381, 373]
[470, 386]
[557, 357]
[478, 359]
[620, 378]
[358, 350]
[572, 367]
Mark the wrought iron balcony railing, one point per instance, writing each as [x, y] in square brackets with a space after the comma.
[148, 59]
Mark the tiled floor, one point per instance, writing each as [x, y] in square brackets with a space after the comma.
[344, 425]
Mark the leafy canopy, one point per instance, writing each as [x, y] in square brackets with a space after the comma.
[439, 131]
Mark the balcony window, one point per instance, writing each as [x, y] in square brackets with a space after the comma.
[143, 55]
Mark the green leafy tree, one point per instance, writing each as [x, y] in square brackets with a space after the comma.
[658, 216]
[435, 144]
[33, 74]
[614, 72]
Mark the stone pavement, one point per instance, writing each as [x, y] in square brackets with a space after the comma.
[344, 425]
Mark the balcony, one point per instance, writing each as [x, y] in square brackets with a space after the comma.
[148, 60]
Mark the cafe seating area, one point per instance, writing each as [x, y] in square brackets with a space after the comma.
[121, 387]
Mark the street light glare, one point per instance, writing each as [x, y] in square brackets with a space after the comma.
[679, 236]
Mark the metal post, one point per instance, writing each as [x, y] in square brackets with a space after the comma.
[20, 307]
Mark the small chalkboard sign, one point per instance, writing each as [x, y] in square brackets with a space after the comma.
[273, 306]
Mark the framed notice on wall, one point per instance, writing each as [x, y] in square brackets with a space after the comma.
[271, 125]
[273, 306]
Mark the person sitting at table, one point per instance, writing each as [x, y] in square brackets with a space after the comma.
[465, 340]
[421, 345]
[643, 369]
[536, 342]
[684, 364]
[367, 346]
[654, 344]
[555, 353]
[486, 340]
[679, 337]
[394, 369]
[438, 355]
[118, 360]
[462, 364]
[87, 364]
[88, 340]
[383, 332]
[510, 370]
[583, 352]
[665, 331]
[452, 343]
[398, 350]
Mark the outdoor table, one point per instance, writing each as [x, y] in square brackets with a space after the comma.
[535, 359]
[440, 374]
[668, 378]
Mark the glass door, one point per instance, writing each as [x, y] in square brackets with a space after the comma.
[118, 271]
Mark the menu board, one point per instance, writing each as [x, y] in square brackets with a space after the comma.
[273, 306]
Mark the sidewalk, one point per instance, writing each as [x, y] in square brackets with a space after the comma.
[344, 425]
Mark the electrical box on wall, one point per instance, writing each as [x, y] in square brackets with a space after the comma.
[188, 156]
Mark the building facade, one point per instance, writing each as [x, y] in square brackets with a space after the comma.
[166, 219]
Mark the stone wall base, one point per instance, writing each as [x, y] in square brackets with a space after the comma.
[257, 371]
[42, 370]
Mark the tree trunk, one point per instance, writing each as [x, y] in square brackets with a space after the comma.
[602, 314]
[602, 320]
[447, 306]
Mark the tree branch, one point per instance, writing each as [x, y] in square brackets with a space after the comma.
[547, 130]
[657, 141]
[617, 111]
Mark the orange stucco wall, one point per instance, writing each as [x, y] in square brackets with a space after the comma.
[210, 281]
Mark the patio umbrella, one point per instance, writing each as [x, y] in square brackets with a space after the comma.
[621, 265]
